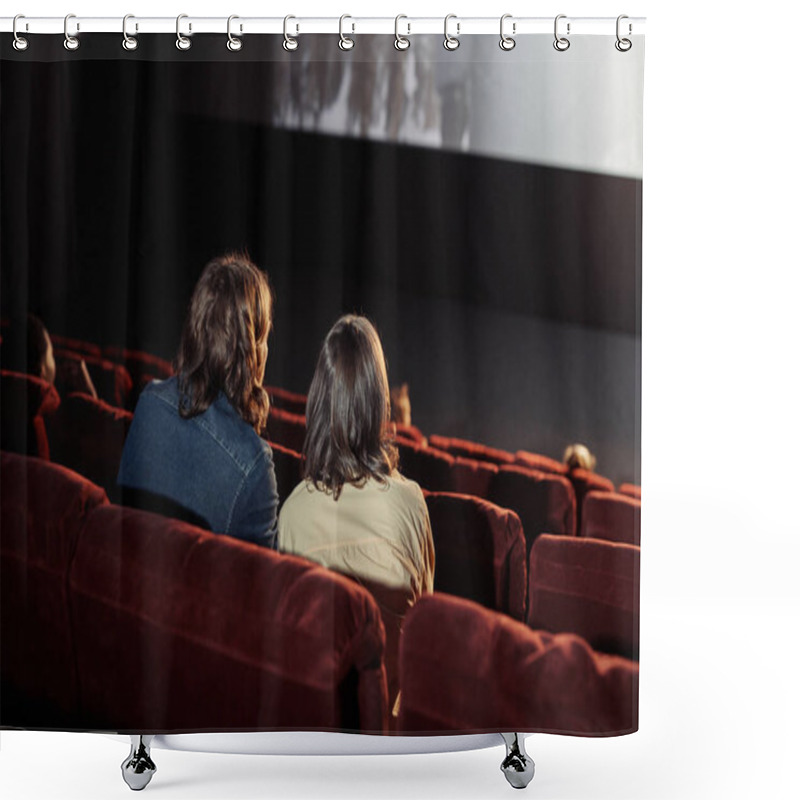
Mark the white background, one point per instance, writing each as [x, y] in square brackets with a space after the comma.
[720, 450]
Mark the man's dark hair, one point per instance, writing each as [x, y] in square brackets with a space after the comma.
[223, 345]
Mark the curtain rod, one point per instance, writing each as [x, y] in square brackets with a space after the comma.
[241, 26]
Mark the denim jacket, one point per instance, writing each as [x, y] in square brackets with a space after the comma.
[213, 465]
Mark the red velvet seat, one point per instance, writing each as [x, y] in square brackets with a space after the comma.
[539, 462]
[178, 629]
[76, 345]
[588, 587]
[631, 489]
[430, 468]
[139, 363]
[25, 401]
[112, 381]
[470, 476]
[611, 516]
[467, 449]
[142, 368]
[411, 432]
[292, 402]
[288, 469]
[88, 435]
[585, 481]
[545, 502]
[480, 552]
[286, 429]
[466, 669]
[44, 507]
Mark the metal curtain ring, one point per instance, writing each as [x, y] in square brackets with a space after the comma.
[561, 43]
[507, 42]
[289, 43]
[182, 42]
[401, 42]
[623, 45]
[70, 42]
[128, 42]
[345, 42]
[451, 42]
[20, 42]
[234, 43]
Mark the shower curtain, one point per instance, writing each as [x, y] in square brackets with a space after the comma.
[481, 206]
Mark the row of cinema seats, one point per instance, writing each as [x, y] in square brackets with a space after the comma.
[118, 374]
[547, 497]
[481, 547]
[114, 618]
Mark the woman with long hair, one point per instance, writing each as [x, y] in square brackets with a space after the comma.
[194, 446]
[354, 512]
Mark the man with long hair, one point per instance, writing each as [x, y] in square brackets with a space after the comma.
[194, 446]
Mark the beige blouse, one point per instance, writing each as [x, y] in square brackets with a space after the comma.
[378, 532]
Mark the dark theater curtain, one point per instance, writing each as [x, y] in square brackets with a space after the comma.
[123, 174]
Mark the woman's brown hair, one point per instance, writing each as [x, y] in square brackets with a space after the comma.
[223, 345]
[347, 414]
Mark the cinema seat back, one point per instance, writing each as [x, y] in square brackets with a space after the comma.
[539, 462]
[470, 476]
[111, 381]
[142, 368]
[480, 552]
[467, 449]
[585, 481]
[631, 489]
[588, 587]
[544, 502]
[43, 511]
[139, 363]
[25, 402]
[430, 468]
[285, 400]
[288, 469]
[88, 435]
[286, 429]
[465, 669]
[76, 345]
[179, 629]
[611, 516]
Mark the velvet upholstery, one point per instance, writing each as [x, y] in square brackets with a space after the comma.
[288, 469]
[177, 629]
[411, 433]
[393, 603]
[466, 669]
[44, 507]
[142, 367]
[88, 435]
[112, 381]
[616, 517]
[539, 462]
[631, 489]
[137, 362]
[545, 502]
[287, 429]
[470, 476]
[285, 400]
[430, 468]
[76, 345]
[25, 401]
[480, 552]
[588, 587]
[585, 481]
[467, 449]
